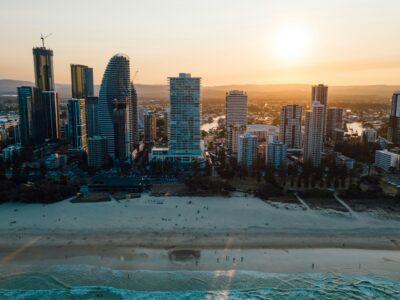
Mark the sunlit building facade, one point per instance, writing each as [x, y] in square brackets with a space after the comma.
[117, 87]
[81, 81]
[43, 66]
[77, 124]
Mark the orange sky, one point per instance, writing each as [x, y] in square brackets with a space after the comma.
[339, 42]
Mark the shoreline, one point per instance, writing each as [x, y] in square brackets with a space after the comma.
[380, 239]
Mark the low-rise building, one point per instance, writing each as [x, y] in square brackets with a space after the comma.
[55, 161]
[342, 160]
[368, 135]
[9, 151]
[277, 154]
[386, 160]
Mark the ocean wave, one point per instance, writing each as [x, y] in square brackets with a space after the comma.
[88, 282]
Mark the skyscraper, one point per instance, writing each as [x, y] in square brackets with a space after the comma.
[320, 94]
[234, 132]
[133, 116]
[51, 109]
[77, 124]
[394, 119]
[314, 135]
[185, 116]
[247, 153]
[334, 124]
[290, 126]
[121, 130]
[150, 127]
[44, 72]
[91, 116]
[97, 152]
[236, 114]
[28, 101]
[81, 81]
[116, 86]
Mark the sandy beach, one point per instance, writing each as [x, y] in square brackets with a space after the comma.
[194, 243]
[190, 222]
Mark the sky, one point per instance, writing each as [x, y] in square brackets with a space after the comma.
[337, 42]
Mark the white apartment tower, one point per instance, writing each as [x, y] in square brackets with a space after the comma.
[236, 114]
[314, 134]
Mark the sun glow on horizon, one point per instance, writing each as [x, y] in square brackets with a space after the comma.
[292, 44]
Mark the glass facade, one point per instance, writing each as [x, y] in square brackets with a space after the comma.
[44, 72]
[81, 81]
[77, 124]
[185, 115]
[116, 86]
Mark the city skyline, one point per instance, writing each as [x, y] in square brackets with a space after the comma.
[237, 44]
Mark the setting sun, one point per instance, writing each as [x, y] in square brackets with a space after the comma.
[292, 43]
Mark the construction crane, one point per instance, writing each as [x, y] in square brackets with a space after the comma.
[135, 75]
[43, 37]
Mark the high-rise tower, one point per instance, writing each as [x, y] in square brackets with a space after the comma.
[51, 108]
[44, 72]
[394, 119]
[290, 127]
[77, 124]
[185, 115]
[81, 81]
[29, 120]
[320, 93]
[117, 87]
[236, 116]
[314, 135]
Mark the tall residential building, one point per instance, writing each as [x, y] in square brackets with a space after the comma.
[51, 106]
[81, 81]
[166, 122]
[314, 135]
[150, 127]
[116, 86]
[247, 152]
[320, 93]
[290, 126]
[97, 152]
[369, 135]
[133, 117]
[235, 131]
[277, 154]
[92, 126]
[185, 116]
[44, 72]
[236, 113]
[334, 124]
[29, 101]
[77, 124]
[121, 130]
[394, 119]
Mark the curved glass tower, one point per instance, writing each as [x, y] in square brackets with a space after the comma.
[116, 87]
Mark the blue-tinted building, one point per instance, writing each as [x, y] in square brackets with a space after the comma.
[277, 154]
[29, 104]
[185, 116]
[117, 87]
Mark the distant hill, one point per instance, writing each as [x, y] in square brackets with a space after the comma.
[299, 93]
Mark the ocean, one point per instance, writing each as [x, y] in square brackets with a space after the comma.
[88, 282]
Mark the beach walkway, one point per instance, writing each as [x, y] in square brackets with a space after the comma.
[344, 204]
[302, 201]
